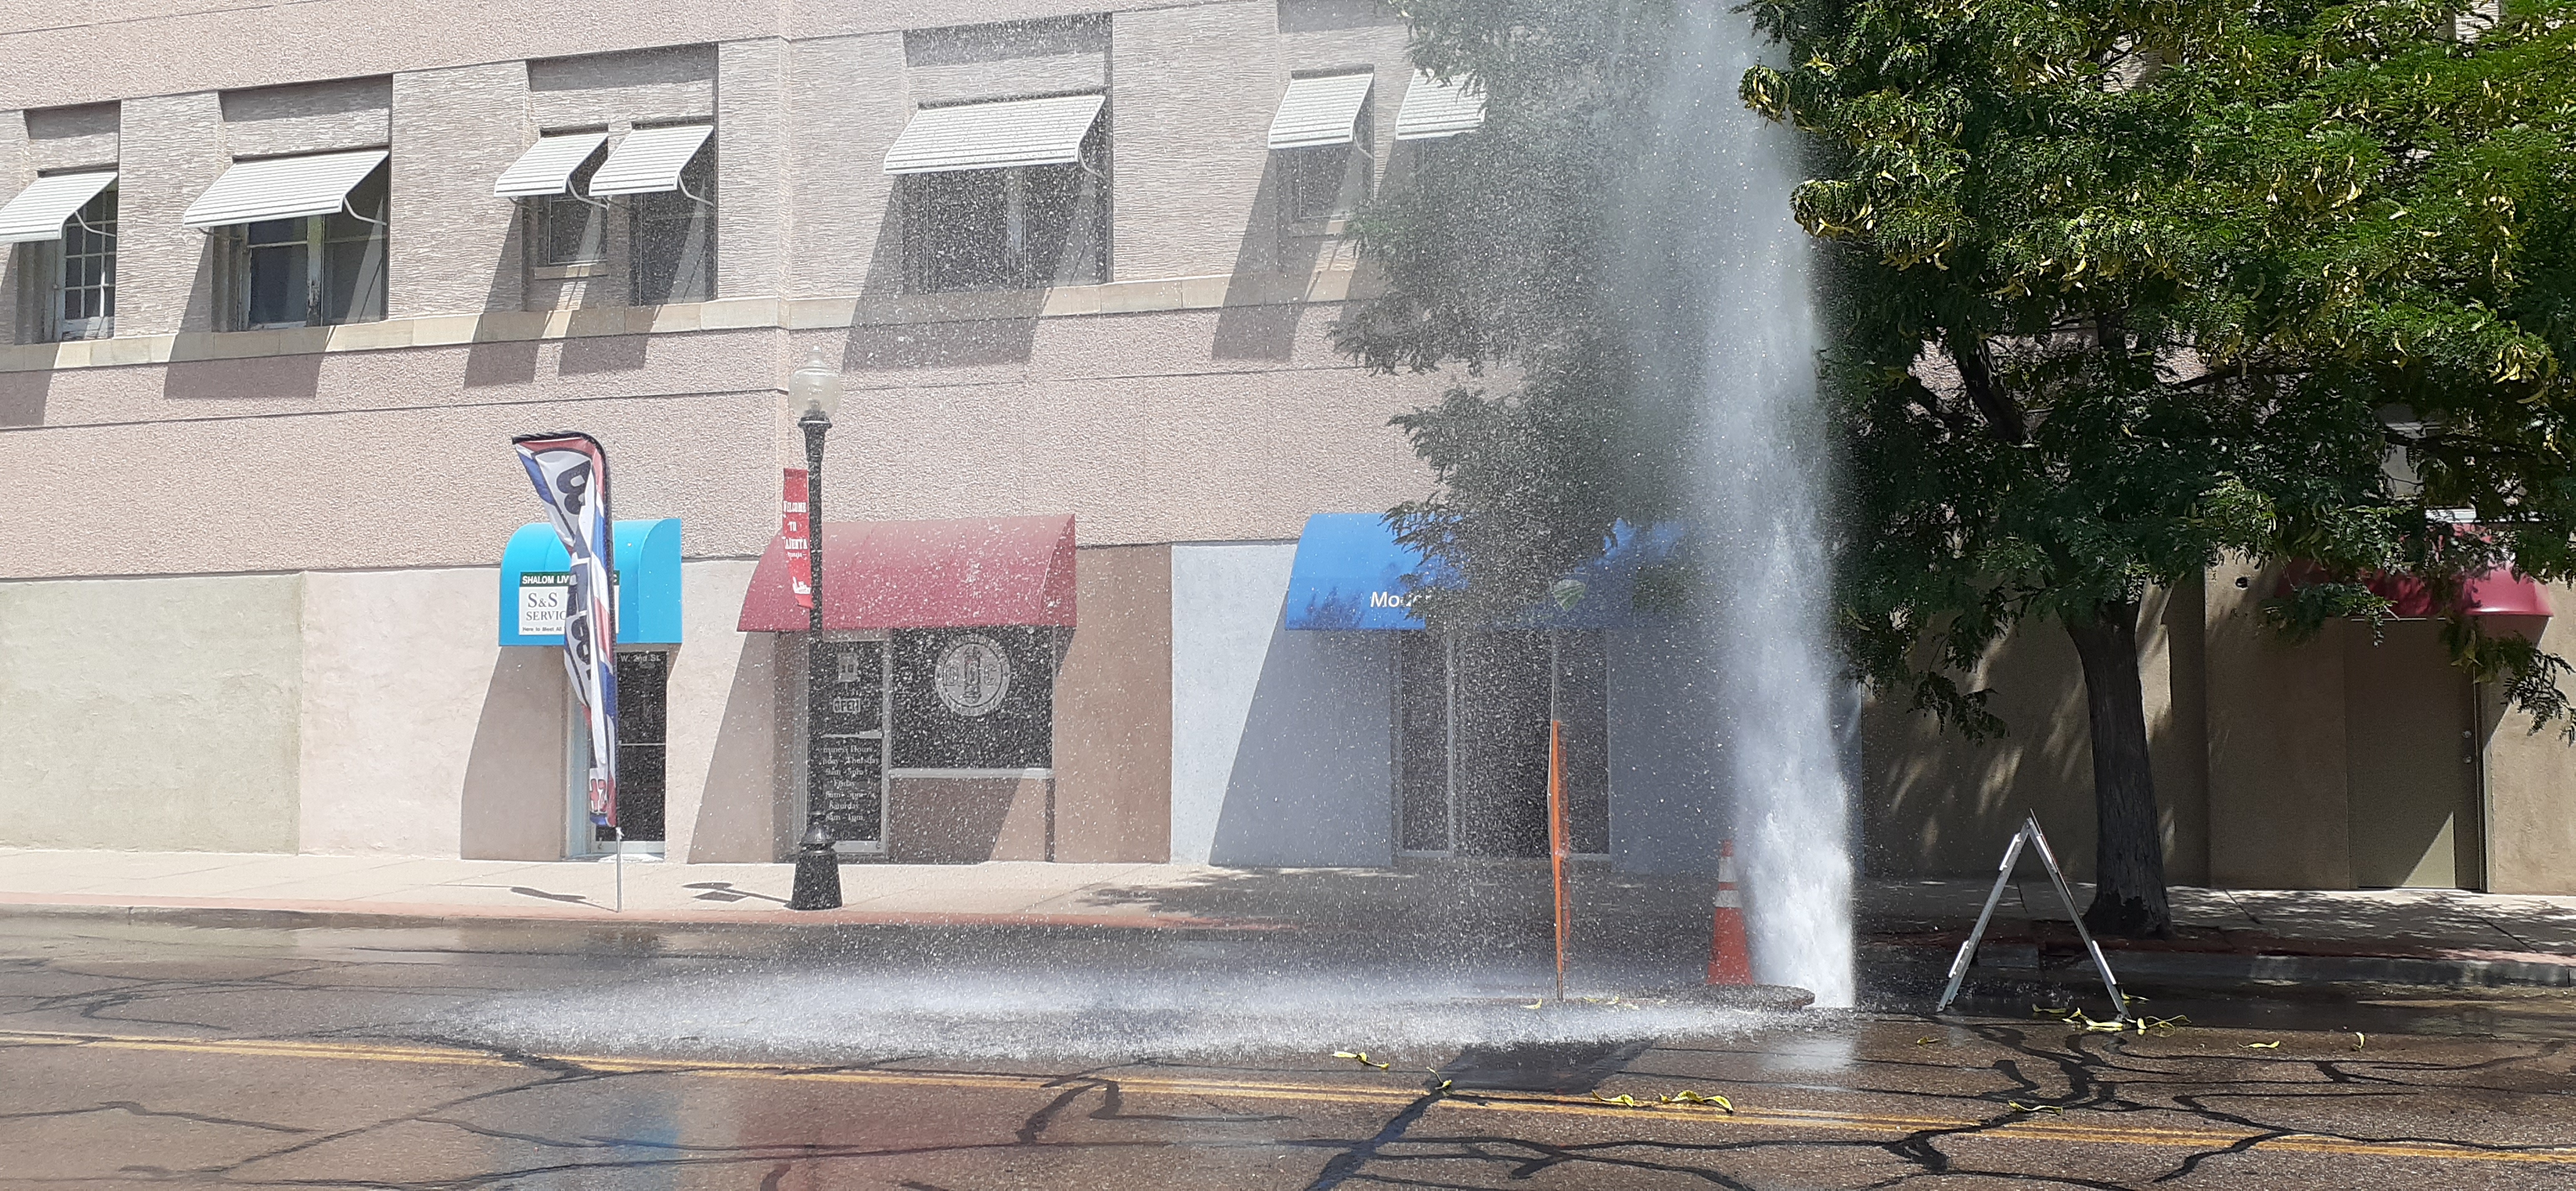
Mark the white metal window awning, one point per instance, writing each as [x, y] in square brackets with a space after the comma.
[1435, 109]
[991, 136]
[281, 188]
[548, 166]
[1320, 111]
[39, 211]
[649, 160]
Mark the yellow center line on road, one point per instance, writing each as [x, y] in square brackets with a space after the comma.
[1820, 1120]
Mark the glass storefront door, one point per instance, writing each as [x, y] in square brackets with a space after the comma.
[1471, 739]
[643, 749]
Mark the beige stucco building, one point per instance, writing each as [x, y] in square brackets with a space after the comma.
[308, 268]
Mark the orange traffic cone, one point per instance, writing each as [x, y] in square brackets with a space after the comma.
[1728, 961]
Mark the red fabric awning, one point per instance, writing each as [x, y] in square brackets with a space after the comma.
[2490, 593]
[924, 575]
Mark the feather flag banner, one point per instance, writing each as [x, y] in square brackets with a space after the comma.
[570, 470]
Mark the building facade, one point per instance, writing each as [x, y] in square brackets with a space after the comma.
[286, 280]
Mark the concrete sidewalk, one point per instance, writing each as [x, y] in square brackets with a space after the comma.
[2409, 936]
[286, 887]
[2385, 936]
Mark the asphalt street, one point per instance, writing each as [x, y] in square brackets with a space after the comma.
[158, 1055]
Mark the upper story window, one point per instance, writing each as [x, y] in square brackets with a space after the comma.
[1319, 144]
[1007, 195]
[85, 288]
[65, 226]
[664, 244]
[672, 238]
[300, 241]
[567, 230]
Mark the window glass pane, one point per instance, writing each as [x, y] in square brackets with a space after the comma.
[275, 231]
[353, 275]
[366, 198]
[1502, 691]
[1422, 741]
[87, 276]
[954, 234]
[675, 239]
[1315, 180]
[1002, 229]
[642, 690]
[277, 282]
[1048, 239]
[570, 231]
[979, 698]
[353, 256]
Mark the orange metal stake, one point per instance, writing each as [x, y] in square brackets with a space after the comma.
[1556, 842]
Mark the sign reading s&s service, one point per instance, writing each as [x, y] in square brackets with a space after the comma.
[542, 597]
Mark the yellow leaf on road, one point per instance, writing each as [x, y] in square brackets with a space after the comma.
[1690, 1097]
[2262, 1046]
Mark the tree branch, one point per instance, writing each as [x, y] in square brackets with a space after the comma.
[2003, 415]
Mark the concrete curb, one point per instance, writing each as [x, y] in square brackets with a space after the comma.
[2439, 970]
[288, 916]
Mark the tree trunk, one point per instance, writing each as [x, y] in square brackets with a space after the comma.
[2128, 849]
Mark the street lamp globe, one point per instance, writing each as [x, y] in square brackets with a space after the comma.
[815, 387]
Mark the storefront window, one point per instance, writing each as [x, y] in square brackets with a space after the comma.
[981, 698]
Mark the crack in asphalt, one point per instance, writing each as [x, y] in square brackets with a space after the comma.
[2078, 1073]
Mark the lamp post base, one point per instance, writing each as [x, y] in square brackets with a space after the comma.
[818, 876]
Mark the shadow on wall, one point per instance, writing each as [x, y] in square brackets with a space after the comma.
[602, 353]
[258, 378]
[505, 362]
[1264, 298]
[22, 397]
[1312, 782]
[1315, 16]
[1010, 337]
[200, 315]
[736, 815]
[1936, 804]
[969, 820]
[515, 798]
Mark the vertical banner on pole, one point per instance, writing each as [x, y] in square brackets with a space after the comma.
[570, 470]
[800, 544]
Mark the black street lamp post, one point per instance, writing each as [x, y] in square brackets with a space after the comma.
[816, 389]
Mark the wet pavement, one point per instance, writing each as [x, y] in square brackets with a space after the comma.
[141, 1055]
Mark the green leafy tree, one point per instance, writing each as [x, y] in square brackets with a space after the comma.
[2117, 287]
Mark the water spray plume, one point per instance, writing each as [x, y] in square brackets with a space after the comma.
[1721, 176]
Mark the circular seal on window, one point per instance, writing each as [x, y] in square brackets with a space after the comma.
[972, 676]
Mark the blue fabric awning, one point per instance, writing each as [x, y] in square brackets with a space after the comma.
[536, 575]
[1351, 573]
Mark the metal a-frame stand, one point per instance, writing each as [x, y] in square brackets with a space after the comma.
[2031, 834]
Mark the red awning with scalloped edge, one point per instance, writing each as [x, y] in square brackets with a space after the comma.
[924, 575]
[2491, 593]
